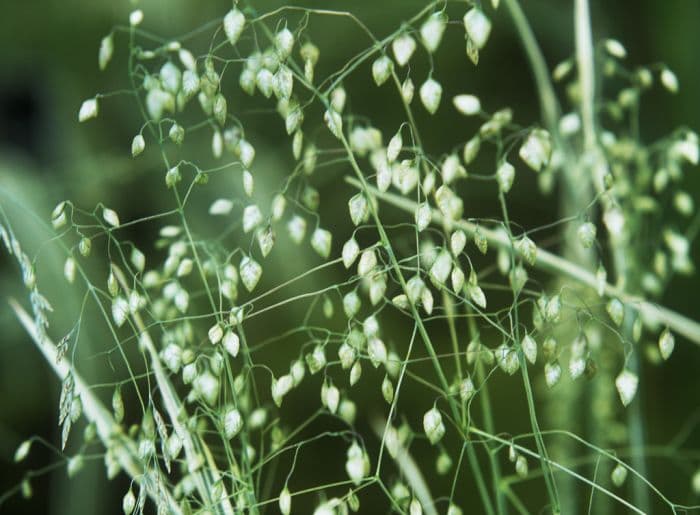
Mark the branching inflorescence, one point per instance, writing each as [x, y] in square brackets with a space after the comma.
[198, 422]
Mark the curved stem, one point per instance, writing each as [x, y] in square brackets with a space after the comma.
[651, 313]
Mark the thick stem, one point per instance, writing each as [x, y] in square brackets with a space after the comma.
[112, 437]
[586, 76]
[652, 314]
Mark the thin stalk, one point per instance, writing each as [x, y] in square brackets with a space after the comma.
[586, 69]
[652, 314]
[109, 432]
[575, 196]
[206, 478]
[487, 415]
[409, 469]
[362, 183]
[549, 480]
[559, 466]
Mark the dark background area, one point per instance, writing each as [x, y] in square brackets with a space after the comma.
[48, 66]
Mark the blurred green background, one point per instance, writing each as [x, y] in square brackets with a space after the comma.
[48, 63]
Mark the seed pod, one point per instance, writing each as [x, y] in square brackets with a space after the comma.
[507, 359]
[330, 397]
[480, 241]
[475, 292]
[234, 22]
[250, 272]
[618, 475]
[321, 242]
[394, 147]
[347, 355]
[423, 216]
[427, 301]
[415, 507]
[120, 310]
[89, 109]
[430, 95]
[248, 183]
[521, 468]
[466, 389]
[433, 425]
[252, 217]
[231, 343]
[128, 502]
[281, 387]
[457, 279]
[552, 310]
[388, 390]
[359, 209]
[587, 234]
[136, 17]
[246, 152]
[666, 344]
[22, 451]
[616, 310]
[403, 47]
[669, 80]
[452, 169]
[407, 91]
[106, 50]
[283, 83]
[441, 267]
[233, 422]
[284, 43]
[552, 373]
[351, 304]
[279, 203]
[264, 80]
[206, 386]
[219, 109]
[297, 229]
[316, 360]
[505, 176]
[432, 30]
[69, 270]
[158, 102]
[118, 405]
[221, 206]
[626, 384]
[376, 351]
[170, 78]
[357, 464]
[334, 122]
[138, 259]
[458, 241]
[527, 249]
[471, 149]
[529, 347]
[285, 502]
[477, 26]
[536, 151]
[368, 261]
[468, 105]
[297, 371]
[381, 69]
[615, 48]
[350, 252]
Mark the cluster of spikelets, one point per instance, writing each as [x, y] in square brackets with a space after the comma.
[628, 177]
